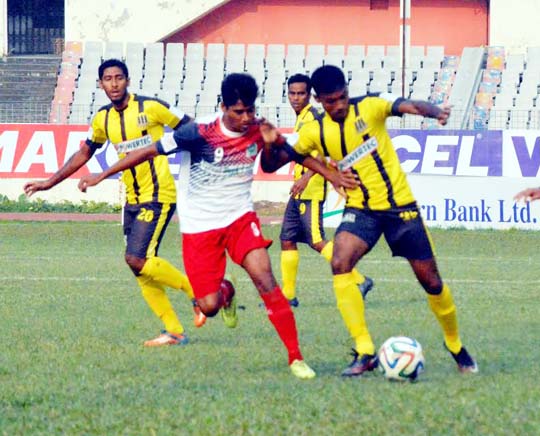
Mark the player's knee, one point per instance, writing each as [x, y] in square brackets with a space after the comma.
[135, 263]
[432, 285]
[209, 309]
[318, 247]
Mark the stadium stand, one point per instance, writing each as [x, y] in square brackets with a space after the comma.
[503, 92]
[27, 86]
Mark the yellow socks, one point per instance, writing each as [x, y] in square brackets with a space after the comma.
[444, 309]
[157, 299]
[326, 252]
[163, 272]
[351, 307]
[289, 269]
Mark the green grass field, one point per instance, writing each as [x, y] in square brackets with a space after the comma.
[72, 322]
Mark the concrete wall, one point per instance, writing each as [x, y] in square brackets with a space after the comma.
[126, 20]
[433, 22]
[514, 24]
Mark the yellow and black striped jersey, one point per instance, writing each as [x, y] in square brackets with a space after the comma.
[361, 142]
[140, 124]
[316, 187]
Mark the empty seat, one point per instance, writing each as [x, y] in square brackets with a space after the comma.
[294, 59]
[235, 60]
[113, 50]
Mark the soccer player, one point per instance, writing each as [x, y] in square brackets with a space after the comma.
[129, 122]
[217, 215]
[527, 195]
[352, 132]
[303, 218]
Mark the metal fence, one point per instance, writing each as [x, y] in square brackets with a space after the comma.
[280, 116]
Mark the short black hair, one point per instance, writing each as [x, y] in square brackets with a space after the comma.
[328, 79]
[300, 78]
[113, 63]
[239, 86]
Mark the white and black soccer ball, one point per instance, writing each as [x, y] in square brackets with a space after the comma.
[401, 358]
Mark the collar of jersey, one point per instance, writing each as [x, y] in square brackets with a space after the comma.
[228, 132]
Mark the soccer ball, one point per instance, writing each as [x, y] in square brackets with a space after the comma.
[401, 358]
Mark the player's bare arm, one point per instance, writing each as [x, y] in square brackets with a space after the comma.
[131, 160]
[76, 161]
[273, 155]
[425, 109]
[530, 194]
[340, 180]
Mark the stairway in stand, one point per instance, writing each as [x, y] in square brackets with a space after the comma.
[27, 87]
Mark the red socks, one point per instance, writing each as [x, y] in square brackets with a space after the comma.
[282, 317]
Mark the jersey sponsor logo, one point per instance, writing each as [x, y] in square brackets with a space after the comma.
[252, 150]
[360, 125]
[357, 154]
[255, 230]
[348, 218]
[408, 215]
[142, 121]
[133, 144]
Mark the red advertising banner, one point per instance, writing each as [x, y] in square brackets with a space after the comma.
[39, 150]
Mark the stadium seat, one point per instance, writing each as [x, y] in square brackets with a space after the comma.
[294, 59]
[235, 58]
[114, 50]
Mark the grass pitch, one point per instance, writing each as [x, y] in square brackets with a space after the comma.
[72, 323]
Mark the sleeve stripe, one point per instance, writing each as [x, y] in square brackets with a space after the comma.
[395, 106]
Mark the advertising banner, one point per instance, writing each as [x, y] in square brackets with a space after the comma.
[460, 178]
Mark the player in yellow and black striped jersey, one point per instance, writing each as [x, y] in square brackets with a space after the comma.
[352, 132]
[303, 218]
[130, 122]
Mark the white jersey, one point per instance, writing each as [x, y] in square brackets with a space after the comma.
[216, 173]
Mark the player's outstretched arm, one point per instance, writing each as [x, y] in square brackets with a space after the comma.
[425, 109]
[273, 155]
[76, 161]
[131, 160]
[527, 195]
[340, 180]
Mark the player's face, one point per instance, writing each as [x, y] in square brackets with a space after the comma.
[336, 104]
[298, 96]
[238, 117]
[115, 85]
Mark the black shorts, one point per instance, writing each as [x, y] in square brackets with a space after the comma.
[303, 222]
[144, 227]
[403, 229]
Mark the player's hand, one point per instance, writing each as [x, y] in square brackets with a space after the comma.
[342, 180]
[32, 187]
[88, 180]
[298, 187]
[270, 133]
[527, 195]
[444, 115]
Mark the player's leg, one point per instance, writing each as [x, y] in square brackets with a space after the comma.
[205, 263]
[408, 237]
[248, 248]
[139, 232]
[289, 260]
[357, 233]
[313, 229]
[147, 231]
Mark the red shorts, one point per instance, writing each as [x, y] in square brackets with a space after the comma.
[204, 253]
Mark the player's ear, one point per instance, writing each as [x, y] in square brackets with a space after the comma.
[128, 81]
[316, 97]
[100, 83]
[223, 107]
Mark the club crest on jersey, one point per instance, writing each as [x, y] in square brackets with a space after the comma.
[142, 121]
[252, 150]
[360, 125]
